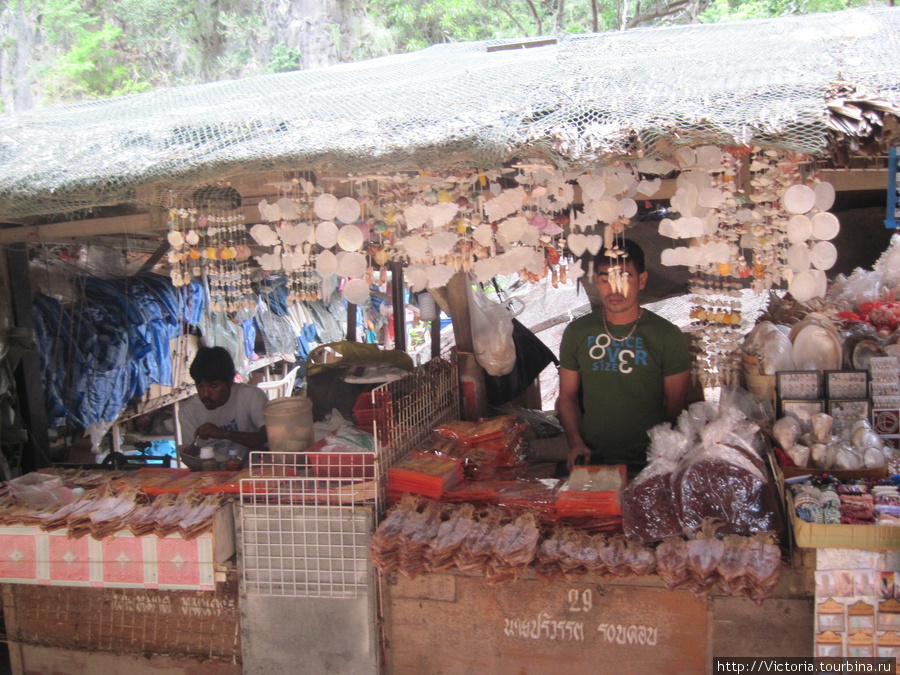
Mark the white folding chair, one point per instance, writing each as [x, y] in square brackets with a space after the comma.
[280, 388]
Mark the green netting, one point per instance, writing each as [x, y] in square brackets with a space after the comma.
[584, 101]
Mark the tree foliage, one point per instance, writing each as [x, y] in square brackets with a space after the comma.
[78, 49]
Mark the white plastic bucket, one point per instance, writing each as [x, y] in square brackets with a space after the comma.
[289, 423]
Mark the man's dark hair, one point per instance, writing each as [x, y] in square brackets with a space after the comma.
[635, 255]
[213, 364]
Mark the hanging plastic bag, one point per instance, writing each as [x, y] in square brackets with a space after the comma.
[532, 356]
[492, 331]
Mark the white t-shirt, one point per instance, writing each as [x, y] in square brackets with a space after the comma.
[241, 412]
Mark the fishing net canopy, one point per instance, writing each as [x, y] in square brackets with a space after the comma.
[577, 102]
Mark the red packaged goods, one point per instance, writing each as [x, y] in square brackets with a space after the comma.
[371, 415]
[721, 483]
[424, 474]
[648, 507]
[592, 491]
[152, 479]
[470, 433]
[195, 480]
[484, 461]
[479, 493]
[530, 494]
[231, 485]
[345, 453]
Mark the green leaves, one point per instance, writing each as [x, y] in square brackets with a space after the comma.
[91, 68]
[284, 59]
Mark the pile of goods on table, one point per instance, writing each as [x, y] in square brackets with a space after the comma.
[849, 336]
[101, 503]
[830, 501]
[701, 515]
[853, 447]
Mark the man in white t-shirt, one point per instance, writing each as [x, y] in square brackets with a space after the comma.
[222, 413]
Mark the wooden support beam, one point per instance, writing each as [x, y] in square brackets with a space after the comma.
[399, 304]
[351, 323]
[458, 308]
[133, 224]
[155, 257]
[471, 374]
[435, 332]
[28, 374]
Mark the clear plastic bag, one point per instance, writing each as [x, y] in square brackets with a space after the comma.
[724, 479]
[492, 331]
[648, 506]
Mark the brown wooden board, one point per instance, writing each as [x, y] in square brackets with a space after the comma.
[125, 620]
[456, 624]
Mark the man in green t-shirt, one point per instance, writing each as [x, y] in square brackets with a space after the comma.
[623, 369]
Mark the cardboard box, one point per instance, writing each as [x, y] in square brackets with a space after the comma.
[29, 555]
[865, 537]
[840, 474]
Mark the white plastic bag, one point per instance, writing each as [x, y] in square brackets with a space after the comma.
[492, 330]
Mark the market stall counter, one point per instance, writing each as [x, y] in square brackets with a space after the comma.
[531, 572]
[115, 570]
[455, 622]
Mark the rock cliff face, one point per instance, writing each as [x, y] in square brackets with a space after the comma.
[19, 38]
[323, 31]
[209, 40]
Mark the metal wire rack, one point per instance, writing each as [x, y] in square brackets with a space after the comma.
[307, 518]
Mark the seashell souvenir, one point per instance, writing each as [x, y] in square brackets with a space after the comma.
[326, 264]
[628, 208]
[799, 199]
[350, 238]
[815, 347]
[484, 235]
[799, 229]
[286, 209]
[326, 206]
[825, 226]
[356, 291]
[347, 210]
[326, 234]
[351, 265]
[824, 255]
[799, 258]
[175, 239]
[577, 244]
[824, 196]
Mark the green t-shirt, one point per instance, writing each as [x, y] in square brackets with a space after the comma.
[622, 382]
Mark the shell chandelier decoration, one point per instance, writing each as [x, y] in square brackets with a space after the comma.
[741, 214]
[749, 214]
[215, 241]
[435, 224]
[486, 223]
